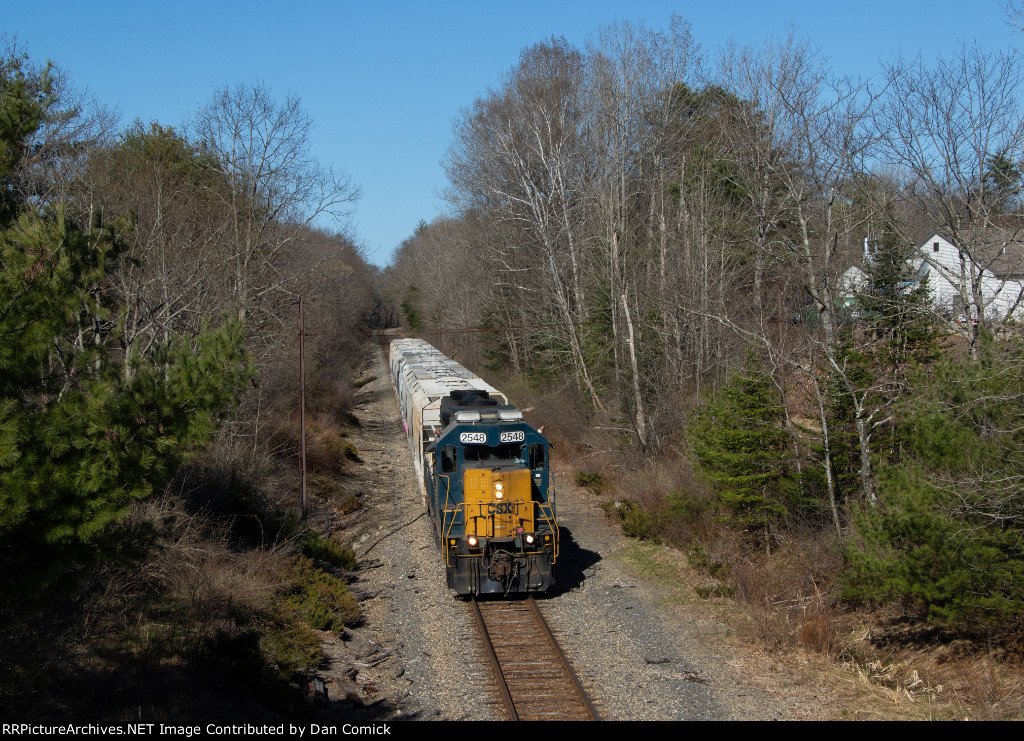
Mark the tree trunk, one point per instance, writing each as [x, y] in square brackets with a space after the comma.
[641, 423]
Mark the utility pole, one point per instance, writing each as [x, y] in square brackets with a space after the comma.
[302, 407]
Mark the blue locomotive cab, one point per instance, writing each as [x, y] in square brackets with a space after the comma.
[491, 498]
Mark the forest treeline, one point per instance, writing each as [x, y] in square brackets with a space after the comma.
[661, 233]
[151, 553]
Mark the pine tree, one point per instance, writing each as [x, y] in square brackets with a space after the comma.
[896, 307]
[87, 427]
[948, 535]
[22, 98]
[891, 332]
[81, 439]
[741, 446]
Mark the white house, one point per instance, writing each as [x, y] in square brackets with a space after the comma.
[852, 283]
[992, 258]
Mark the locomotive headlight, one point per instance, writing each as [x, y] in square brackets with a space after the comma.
[498, 493]
[529, 539]
[472, 541]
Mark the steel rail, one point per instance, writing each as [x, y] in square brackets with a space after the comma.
[495, 664]
[562, 658]
[531, 670]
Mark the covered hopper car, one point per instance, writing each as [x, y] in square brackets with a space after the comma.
[483, 474]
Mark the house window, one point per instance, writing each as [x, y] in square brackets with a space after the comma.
[935, 246]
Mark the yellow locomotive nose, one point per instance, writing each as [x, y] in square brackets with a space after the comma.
[498, 503]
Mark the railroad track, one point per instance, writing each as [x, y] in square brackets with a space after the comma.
[533, 675]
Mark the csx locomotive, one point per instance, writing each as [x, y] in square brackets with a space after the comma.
[483, 473]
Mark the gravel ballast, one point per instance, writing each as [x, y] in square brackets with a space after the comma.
[417, 655]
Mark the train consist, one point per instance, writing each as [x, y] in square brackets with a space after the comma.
[483, 473]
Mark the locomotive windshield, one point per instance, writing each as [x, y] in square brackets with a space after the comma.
[494, 455]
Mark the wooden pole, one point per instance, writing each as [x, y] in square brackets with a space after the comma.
[302, 407]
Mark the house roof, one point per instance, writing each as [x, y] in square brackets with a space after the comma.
[998, 250]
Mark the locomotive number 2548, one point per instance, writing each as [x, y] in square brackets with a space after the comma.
[515, 436]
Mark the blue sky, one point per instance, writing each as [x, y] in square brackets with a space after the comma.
[384, 81]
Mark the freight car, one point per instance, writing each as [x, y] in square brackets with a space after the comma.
[483, 475]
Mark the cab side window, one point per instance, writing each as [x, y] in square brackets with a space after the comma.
[536, 456]
[448, 460]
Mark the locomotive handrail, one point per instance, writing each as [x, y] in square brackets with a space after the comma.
[451, 524]
[447, 496]
[546, 510]
[444, 515]
[447, 488]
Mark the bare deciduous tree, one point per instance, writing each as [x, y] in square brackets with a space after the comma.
[276, 186]
[521, 152]
[635, 91]
[955, 134]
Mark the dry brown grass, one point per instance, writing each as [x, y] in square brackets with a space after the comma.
[193, 584]
[913, 662]
[168, 616]
[328, 449]
[788, 593]
[881, 668]
[818, 631]
[799, 573]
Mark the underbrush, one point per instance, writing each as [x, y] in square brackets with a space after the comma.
[316, 547]
[204, 603]
[785, 599]
[328, 449]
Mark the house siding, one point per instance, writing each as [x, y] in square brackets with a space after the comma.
[949, 281]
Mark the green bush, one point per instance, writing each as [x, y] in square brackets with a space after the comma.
[316, 547]
[639, 522]
[593, 481]
[701, 561]
[289, 642]
[636, 520]
[322, 600]
[685, 506]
